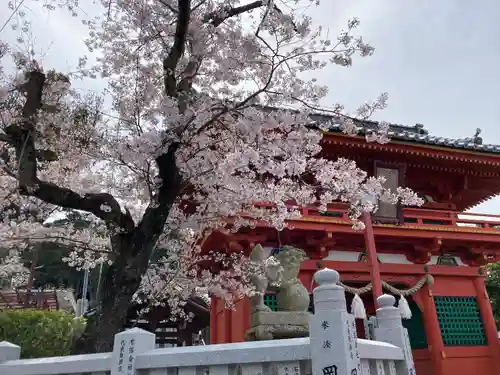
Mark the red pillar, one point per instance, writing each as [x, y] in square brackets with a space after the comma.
[490, 328]
[228, 316]
[213, 320]
[432, 331]
[371, 251]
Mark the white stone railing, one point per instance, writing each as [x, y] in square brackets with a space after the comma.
[331, 349]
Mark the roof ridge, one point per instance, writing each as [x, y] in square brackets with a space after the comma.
[420, 135]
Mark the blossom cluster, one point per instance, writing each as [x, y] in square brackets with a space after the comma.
[236, 102]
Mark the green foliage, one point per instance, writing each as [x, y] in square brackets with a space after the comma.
[493, 288]
[40, 333]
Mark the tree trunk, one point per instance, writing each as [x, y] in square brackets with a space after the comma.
[133, 251]
[120, 284]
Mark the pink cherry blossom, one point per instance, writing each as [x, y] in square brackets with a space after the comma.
[219, 84]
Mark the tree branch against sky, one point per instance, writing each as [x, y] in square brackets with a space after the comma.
[200, 129]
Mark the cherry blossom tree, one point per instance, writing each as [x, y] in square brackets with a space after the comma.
[212, 105]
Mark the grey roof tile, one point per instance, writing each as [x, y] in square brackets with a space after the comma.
[420, 135]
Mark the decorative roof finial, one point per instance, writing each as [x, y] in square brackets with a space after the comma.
[477, 139]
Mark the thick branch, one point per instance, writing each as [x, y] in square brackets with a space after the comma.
[22, 134]
[5, 138]
[219, 16]
[151, 225]
[93, 203]
[171, 61]
[22, 137]
[168, 6]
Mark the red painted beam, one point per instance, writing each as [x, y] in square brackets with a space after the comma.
[402, 231]
[392, 269]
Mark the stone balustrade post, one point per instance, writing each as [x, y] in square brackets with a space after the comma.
[332, 330]
[9, 352]
[127, 345]
[390, 330]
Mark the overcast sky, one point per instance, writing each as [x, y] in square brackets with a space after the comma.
[438, 60]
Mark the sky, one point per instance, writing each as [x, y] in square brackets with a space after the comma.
[439, 61]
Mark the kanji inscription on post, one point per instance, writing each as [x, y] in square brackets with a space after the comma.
[354, 338]
[330, 370]
[288, 368]
[352, 345]
[349, 340]
[130, 357]
[121, 358]
[127, 345]
[352, 342]
[126, 357]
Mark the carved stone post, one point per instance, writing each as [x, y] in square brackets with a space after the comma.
[126, 346]
[334, 349]
[390, 329]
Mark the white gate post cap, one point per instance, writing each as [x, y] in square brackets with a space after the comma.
[326, 276]
[386, 300]
[143, 340]
[9, 351]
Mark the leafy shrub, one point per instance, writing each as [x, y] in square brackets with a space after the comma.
[40, 333]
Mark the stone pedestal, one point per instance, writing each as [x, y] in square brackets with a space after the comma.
[266, 325]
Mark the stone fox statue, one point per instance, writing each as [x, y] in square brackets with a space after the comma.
[279, 274]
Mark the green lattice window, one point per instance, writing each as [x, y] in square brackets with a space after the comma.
[331, 214]
[415, 327]
[270, 301]
[460, 321]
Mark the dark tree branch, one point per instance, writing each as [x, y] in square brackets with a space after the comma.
[215, 18]
[219, 16]
[151, 225]
[147, 232]
[177, 50]
[22, 138]
[144, 237]
[168, 6]
[41, 155]
[5, 138]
